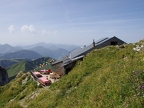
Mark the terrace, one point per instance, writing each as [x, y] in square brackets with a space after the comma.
[45, 77]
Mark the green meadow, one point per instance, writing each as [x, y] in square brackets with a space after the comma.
[111, 77]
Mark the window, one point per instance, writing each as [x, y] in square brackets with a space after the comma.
[114, 43]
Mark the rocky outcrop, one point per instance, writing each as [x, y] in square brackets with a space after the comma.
[3, 76]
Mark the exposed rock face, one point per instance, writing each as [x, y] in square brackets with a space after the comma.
[3, 76]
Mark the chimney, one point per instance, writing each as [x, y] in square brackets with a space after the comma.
[93, 43]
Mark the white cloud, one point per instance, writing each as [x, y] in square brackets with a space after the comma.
[32, 29]
[11, 28]
[44, 32]
[26, 28]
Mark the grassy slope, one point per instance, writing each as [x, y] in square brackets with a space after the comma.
[22, 66]
[108, 77]
[16, 90]
[25, 66]
[104, 79]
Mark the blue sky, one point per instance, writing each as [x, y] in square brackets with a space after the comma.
[25, 22]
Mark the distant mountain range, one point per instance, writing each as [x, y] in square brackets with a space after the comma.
[6, 48]
[23, 54]
[51, 46]
[10, 55]
[56, 51]
[56, 54]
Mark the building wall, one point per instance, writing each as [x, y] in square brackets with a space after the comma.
[59, 68]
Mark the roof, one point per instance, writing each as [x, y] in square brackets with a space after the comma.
[101, 40]
[81, 51]
[66, 62]
[106, 39]
[57, 62]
